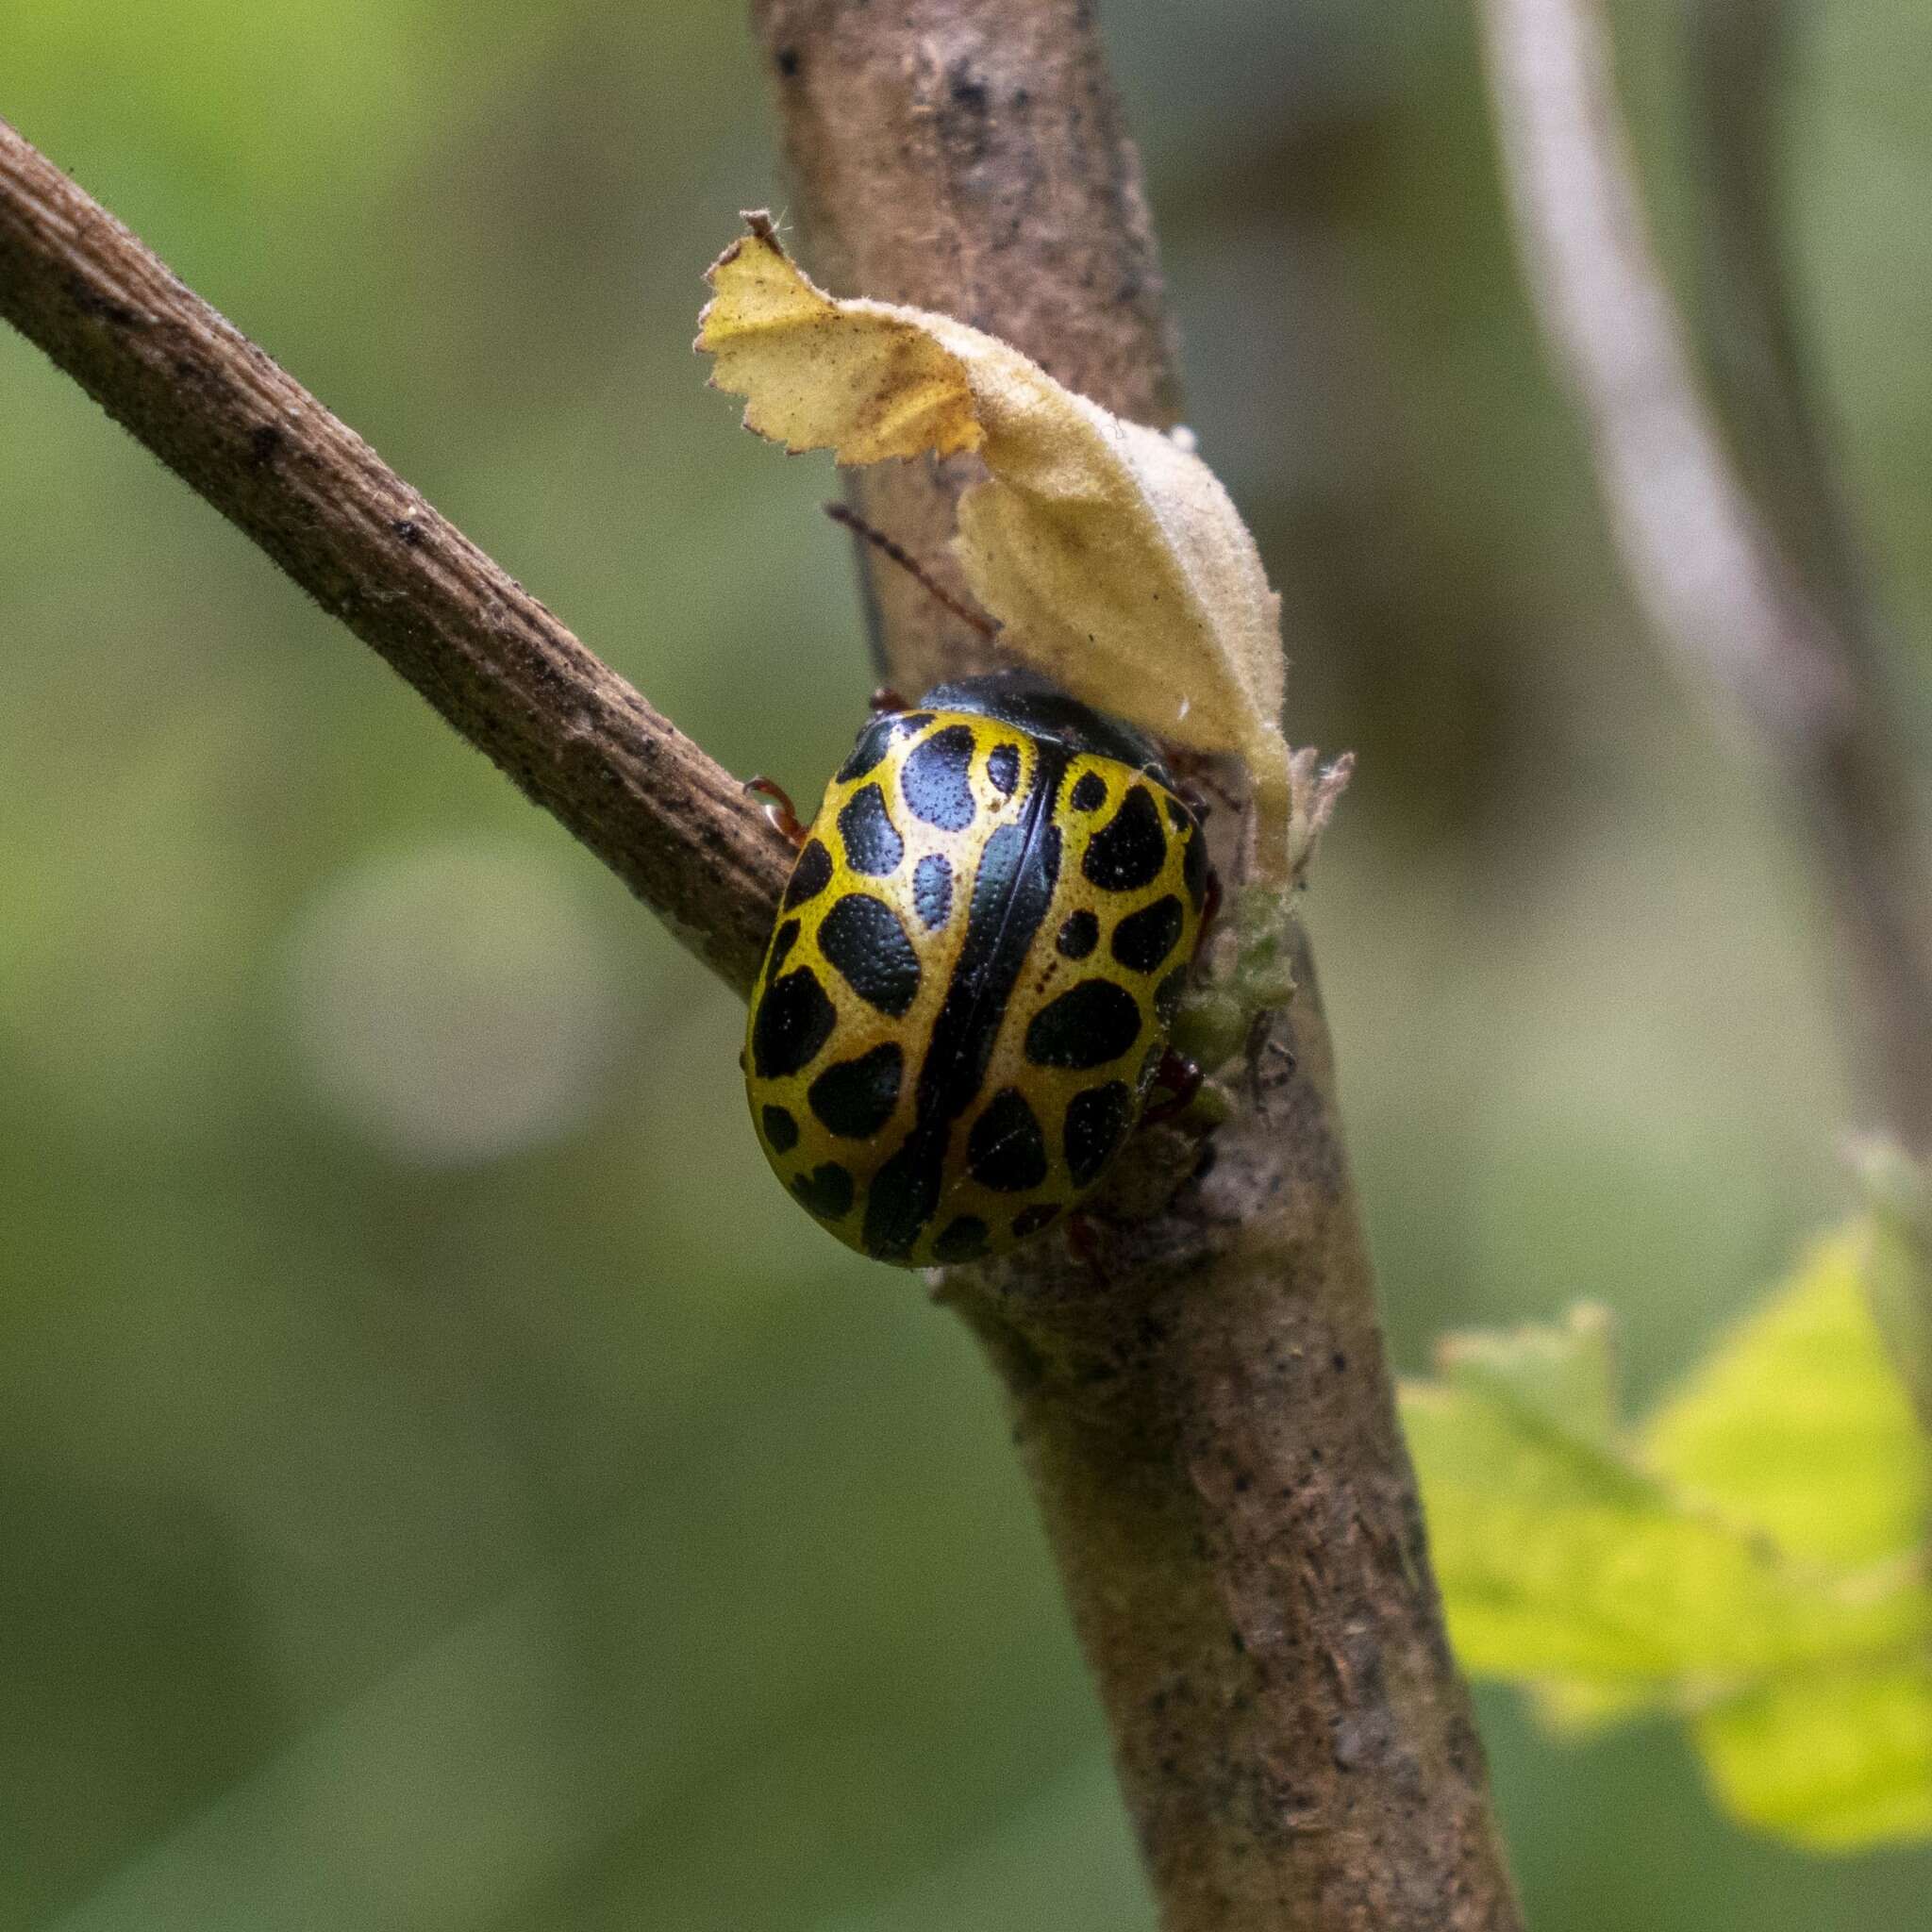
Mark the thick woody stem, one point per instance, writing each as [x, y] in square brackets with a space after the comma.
[1210, 1427]
[970, 160]
[673, 824]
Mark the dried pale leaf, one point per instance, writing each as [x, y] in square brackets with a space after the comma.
[1109, 552]
[858, 378]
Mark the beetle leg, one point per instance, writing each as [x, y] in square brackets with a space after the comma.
[1182, 1078]
[777, 807]
[1263, 1047]
[1211, 906]
[979, 620]
[1084, 1245]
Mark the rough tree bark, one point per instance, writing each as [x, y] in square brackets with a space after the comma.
[1211, 1432]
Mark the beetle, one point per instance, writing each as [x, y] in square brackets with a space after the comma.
[966, 999]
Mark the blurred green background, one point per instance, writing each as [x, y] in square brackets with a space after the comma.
[443, 1483]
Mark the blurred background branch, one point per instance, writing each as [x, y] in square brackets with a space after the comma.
[1759, 594]
[675, 825]
[1743, 71]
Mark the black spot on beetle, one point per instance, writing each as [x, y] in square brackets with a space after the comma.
[1167, 996]
[1129, 850]
[782, 943]
[855, 1098]
[1078, 935]
[794, 1020]
[1005, 1150]
[1142, 939]
[1195, 871]
[901, 1200]
[867, 750]
[1096, 1119]
[826, 1191]
[1002, 768]
[1011, 888]
[781, 1130]
[1094, 1022]
[1089, 792]
[863, 937]
[878, 739]
[1031, 1219]
[810, 875]
[872, 846]
[962, 1239]
[933, 780]
[932, 891]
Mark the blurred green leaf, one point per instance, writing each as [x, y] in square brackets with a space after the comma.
[1798, 1426]
[1750, 1558]
[1576, 1707]
[1564, 1376]
[1900, 1192]
[1836, 1760]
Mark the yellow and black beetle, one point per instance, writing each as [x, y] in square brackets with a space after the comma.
[967, 997]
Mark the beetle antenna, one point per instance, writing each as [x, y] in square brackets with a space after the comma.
[913, 568]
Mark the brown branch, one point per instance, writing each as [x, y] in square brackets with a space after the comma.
[672, 823]
[1210, 1429]
[1775, 627]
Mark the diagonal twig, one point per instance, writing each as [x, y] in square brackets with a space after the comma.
[673, 824]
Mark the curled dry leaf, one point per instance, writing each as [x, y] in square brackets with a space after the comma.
[1110, 554]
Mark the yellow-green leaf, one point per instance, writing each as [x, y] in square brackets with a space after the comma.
[1753, 1558]
[1900, 1191]
[1576, 1707]
[1563, 1374]
[1798, 1426]
[1836, 1760]
[1560, 1559]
